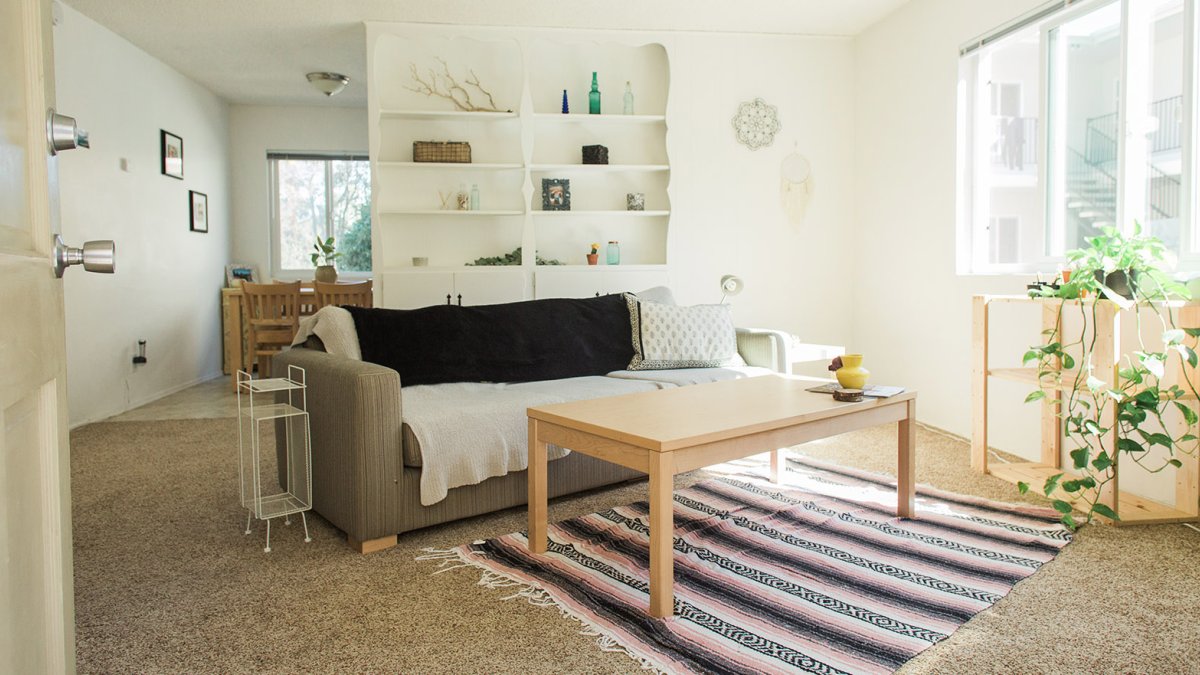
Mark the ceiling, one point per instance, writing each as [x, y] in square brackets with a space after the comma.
[257, 51]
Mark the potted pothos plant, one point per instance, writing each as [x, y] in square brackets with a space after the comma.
[1127, 271]
[323, 257]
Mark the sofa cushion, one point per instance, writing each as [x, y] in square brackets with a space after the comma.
[682, 377]
[669, 336]
[515, 342]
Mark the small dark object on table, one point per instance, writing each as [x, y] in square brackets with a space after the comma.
[848, 395]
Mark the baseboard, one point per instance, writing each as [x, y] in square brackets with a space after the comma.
[148, 399]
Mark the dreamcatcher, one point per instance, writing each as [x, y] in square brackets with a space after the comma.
[795, 186]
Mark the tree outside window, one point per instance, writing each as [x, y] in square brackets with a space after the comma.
[319, 197]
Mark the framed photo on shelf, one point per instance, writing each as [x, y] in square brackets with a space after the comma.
[172, 154]
[236, 273]
[556, 194]
[198, 202]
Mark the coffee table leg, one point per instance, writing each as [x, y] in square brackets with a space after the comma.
[662, 534]
[537, 491]
[906, 470]
[777, 460]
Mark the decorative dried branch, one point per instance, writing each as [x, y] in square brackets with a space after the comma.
[445, 85]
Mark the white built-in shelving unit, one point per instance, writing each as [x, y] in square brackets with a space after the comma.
[512, 152]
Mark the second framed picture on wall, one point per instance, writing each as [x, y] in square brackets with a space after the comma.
[172, 154]
[199, 206]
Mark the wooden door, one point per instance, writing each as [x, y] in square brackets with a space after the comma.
[568, 283]
[36, 605]
[410, 290]
[489, 287]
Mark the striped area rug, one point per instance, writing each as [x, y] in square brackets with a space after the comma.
[818, 576]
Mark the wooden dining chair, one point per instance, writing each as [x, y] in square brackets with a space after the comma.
[356, 294]
[272, 316]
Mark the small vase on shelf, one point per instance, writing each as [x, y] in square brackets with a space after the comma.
[565, 108]
[614, 253]
[852, 375]
[474, 197]
[594, 97]
[628, 98]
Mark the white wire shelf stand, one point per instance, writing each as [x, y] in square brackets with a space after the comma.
[287, 417]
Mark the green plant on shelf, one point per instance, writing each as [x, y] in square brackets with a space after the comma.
[513, 258]
[1142, 402]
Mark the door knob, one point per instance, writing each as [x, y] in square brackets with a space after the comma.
[62, 133]
[95, 256]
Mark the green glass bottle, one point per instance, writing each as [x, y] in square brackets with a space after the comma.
[594, 96]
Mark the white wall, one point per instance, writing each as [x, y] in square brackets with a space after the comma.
[255, 130]
[166, 289]
[727, 217]
[911, 312]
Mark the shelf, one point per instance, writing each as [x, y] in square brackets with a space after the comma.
[1024, 299]
[602, 119]
[599, 168]
[1029, 376]
[649, 267]
[270, 412]
[458, 269]
[606, 214]
[448, 212]
[470, 166]
[447, 115]
[1132, 508]
[271, 384]
[278, 505]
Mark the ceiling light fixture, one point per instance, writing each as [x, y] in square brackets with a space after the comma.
[328, 83]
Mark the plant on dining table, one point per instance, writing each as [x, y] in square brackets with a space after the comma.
[1103, 420]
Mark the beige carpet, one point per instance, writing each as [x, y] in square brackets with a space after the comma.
[166, 582]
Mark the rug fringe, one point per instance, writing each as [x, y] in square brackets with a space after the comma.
[534, 595]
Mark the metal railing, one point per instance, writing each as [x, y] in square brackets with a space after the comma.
[1016, 146]
[1103, 130]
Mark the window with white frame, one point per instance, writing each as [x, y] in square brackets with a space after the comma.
[1077, 117]
[320, 196]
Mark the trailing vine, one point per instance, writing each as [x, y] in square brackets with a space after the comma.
[1140, 399]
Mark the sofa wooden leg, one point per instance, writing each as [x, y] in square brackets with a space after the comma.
[371, 545]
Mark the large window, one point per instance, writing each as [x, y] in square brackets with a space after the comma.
[1075, 118]
[320, 196]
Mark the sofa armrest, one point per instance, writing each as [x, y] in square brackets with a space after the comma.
[354, 414]
[765, 348]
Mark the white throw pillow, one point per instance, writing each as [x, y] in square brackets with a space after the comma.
[669, 336]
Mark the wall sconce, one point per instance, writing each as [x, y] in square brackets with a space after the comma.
[328, 83]
[731, 285]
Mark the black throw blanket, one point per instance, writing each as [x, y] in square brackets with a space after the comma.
[515, 342]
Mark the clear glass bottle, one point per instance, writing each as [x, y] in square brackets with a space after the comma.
[613, 256]
[628, 98]
[594, 97]
[461, 198]
[474, 196]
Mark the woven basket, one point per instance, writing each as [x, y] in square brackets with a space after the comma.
[454, 152]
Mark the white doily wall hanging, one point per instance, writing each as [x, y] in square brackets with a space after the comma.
[756, 124]
[795, 186]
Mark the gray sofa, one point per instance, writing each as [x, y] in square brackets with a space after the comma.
[366, 470]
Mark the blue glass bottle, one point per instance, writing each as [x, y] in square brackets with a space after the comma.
[565, 109]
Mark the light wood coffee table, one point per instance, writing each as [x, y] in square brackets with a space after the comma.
[677, 430]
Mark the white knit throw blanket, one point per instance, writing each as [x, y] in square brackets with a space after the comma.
[471, 431]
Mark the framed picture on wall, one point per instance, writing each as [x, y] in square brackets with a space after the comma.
[556, 194]
[236, 273]
[172, 154]
[198, 202]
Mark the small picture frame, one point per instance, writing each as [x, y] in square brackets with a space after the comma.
[198, 204]
[172, 154]
[556, 194]
[236, 273]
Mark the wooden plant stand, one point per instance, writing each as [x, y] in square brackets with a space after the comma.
[1106, 357]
